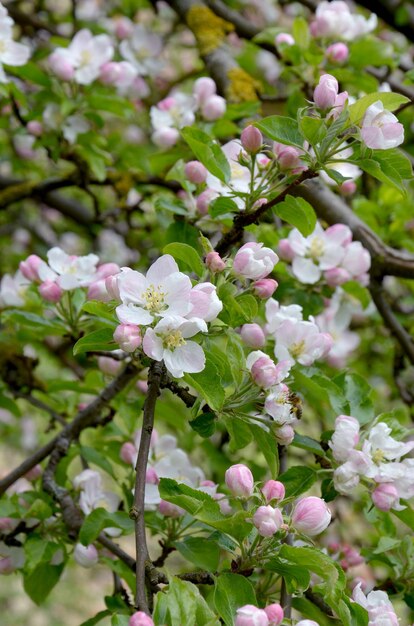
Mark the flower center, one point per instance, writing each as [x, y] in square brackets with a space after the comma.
[154, 298]
[85, 57]
[173, 340]
[316, 248]
[3, 45]
[378, 456]
[236, 170]
[296, 349]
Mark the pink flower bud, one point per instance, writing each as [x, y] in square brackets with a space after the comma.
[7, 566]
[385, 496]
[142, 385]
[289, 158]
[250, 615]
[128, 453]
[239, 480]
[204, 199]
[34, 128]
[204, 88]
[284, 39]
[336, 276]
[112, 287]
[348, 188]
[98, 291]
[274, 614]
[353, 557]
[170, 510]
[285, 250]
[128, 337]
[110, 73]
[254, 261]
[107, 269]
[61, 66]
[252, 335]
[326, 92]
[267, 520]
[109, 366]
[30, 267]
[7, 524]
[86, 556]
[140, 619]
[213, 108]
[214, 262]
[265, 288]
[151, 476]
[251, 139]
[50, 291]
[34, 473]
[337, 52]
[311, 516]
[273, 490]
[166, 137]
[264, 372]
[285, 434]
[195, 172]
[123, 27]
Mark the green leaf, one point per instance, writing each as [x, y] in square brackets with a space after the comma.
[391, 102]
[300, 32]
[98, 618]
[267, 444]
[187, 254]
[202, 506]
[110, 103]
[307, 443]
[96, 341]
[208, 152]
[358, 394]
[40, 582]
[355, 289]
[97, 458]
[222, 206]
[297, 212]
[204, 554]
[296, 577]
[297, 480]
[312, 129]
[120, 620]
[378, 51]
[208, 384]
[99, 519]
[232, 591]
[282, 129]
[182, 604]
[204, 424]
[100, 309]
[32, 73]
[33, 321]
[406, 516]
[312, 612]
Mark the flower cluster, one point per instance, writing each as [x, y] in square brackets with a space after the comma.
[92, 496]
[165, 302]
[310, 516]
[179, 110]
[250, 615]
[377, 460]
[334, 19]
[11, 52]
[330, 253]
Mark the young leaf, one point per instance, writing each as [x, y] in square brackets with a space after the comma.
[97, 340]
[297, 212]
[188, 255]
[208, 152]
[282, 129]
[232, 591]
[297, 480]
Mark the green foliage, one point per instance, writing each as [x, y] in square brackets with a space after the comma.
[231, 592]
[282, 129]
[208, 152]
[297, 212]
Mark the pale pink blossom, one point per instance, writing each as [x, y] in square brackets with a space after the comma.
[380, 610]
[206, 305]
[214, 262]
[311, 516]
[385, 497]
[11, 52]
[67, 271]
[251, 139]
[274, 614]
[273, 490]
[278, 404]
[381, 130]
[284, 39]
[301, 342]
[168, 341]
[213, 108]
[250, 615]
[264, 288]
[195, 172]
[276, 314]
[264, 370]
[284, 434]
[337, 52]
[86, 556]
[239, 480]
[345, 437]
[334, 19]
[13, 289]
[143, 49]
[254, 261]
[128, 336]
[253, 335]
[83, 57]
[267, 520]
[140, 619]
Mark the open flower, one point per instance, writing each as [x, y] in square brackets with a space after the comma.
[11, 52]
[301, 342]
[83, 58]
[380, 128]
[163, 291]
[69, 272]
[167, 342]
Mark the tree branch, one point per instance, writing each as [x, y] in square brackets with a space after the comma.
[155, 374]
[90, 416]
[243, 219]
